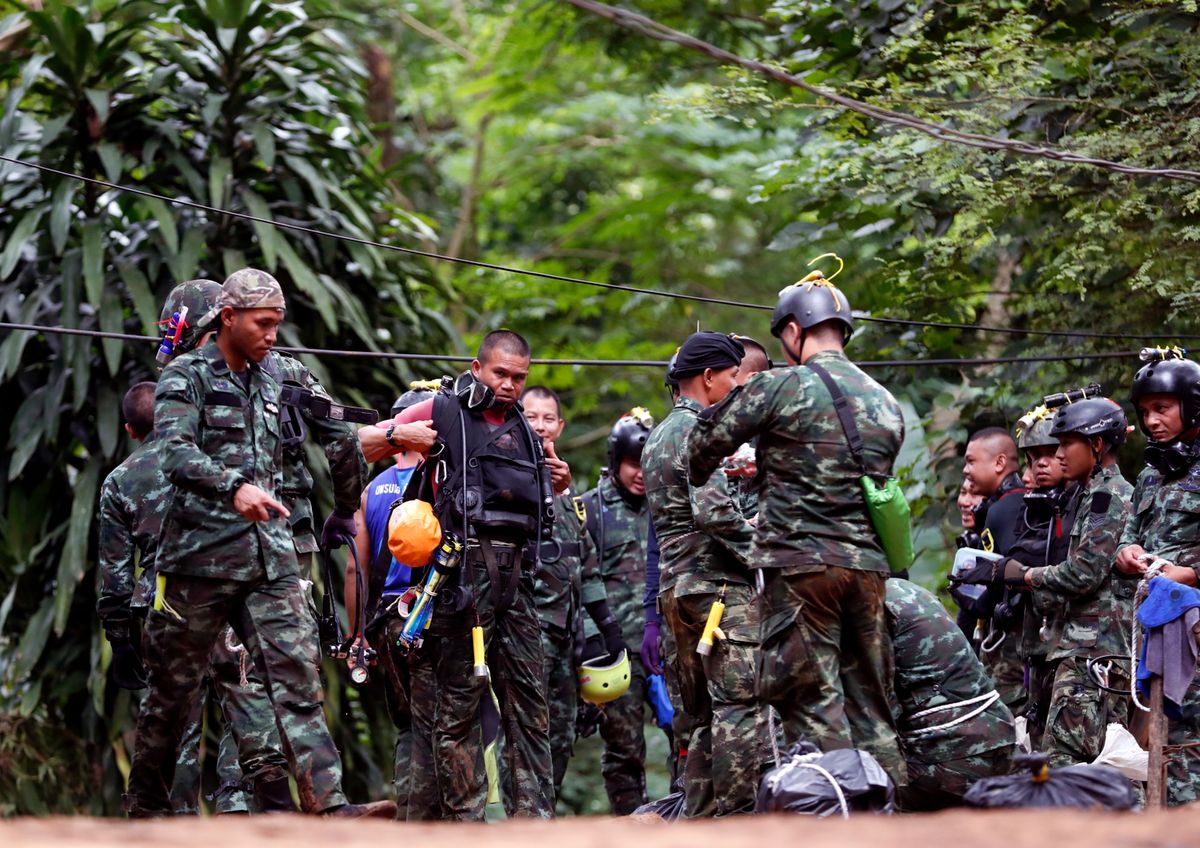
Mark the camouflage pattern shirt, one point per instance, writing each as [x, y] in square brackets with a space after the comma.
[133, 501]
[936, 668]
[703, 537]
[337, 439]
[570, 574]
[1164, 517]
[215, 434]
[1090, 611]
[618, 530]
[811, 512]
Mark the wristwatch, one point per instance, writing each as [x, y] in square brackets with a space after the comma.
[387, 436]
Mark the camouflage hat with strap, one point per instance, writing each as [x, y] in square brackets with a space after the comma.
[248, 288]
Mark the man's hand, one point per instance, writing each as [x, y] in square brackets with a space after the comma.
[650, 653]
[253, 504]
[743, 463]
[128, 671]
[1179, 574]
[983, 572]
[560, 472]
[338, 530]
[416, 436]
[1129, 560]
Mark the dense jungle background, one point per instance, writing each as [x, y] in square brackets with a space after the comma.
[530, 133]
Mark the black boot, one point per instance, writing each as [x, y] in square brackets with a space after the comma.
[274, 795]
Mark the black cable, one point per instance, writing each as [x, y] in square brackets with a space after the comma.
[907, 322]
[632, 363]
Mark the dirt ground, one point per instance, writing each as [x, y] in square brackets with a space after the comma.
[954, 829]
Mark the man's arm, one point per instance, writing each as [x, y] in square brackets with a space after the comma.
[723, 427]
[117, 547]
[1129, 548]
[412, 432]
[1090, 562]
[716, 515]
[339, 441]
[177, 411]
[362, 544]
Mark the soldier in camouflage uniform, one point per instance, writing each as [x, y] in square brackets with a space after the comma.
[133, 501]
[826, 659]
[569, 579]
[705, 541]
[226, 555]
[1088, 610]
[1164, 522]
[618, 522]
[954, 729]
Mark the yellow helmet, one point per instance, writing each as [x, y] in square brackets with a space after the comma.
[600, 683]
[413, 533]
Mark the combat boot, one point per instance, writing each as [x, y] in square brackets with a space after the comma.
[274, 795]
[371, 810]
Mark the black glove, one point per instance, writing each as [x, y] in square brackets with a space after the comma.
[587, 719]
[982, 573]
[593, 648]
[614, 642]
[339, 530]
[1013, 573]
[128, 670]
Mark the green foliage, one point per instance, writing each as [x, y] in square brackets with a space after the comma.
[532, 134]
[247, 106]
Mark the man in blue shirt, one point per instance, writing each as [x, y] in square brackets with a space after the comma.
[371, 546]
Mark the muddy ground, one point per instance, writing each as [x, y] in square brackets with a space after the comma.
[954, 829]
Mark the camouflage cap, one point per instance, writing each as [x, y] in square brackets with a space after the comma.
[199, 296]
[248, 288]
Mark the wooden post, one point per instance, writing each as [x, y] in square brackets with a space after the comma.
[1156, 795]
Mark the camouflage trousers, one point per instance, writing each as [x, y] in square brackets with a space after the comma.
[936, 786]
[513, 644]
[398, 695]
[562, 693]
[1080, 712]
[1007, 669]
[623, 729]
[826, 661]
[249, 721]
[729, 741]
[274, 622]
[424, 800]
[1183, 754]
[682, 725]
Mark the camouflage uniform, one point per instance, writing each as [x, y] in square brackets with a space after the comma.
[1165, 520]
[940, 682]
[566, 563]
[618, 531]
[1089, 613]
[215, 434]
[133, 503]
[826, 659]
[705, 540]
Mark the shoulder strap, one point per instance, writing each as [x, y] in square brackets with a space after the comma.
[841, 405]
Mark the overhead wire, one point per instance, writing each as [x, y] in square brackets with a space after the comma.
[476, 263]
[651, 28]
[633, 363]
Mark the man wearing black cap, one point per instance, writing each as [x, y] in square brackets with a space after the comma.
[826, 661]
[705, 541]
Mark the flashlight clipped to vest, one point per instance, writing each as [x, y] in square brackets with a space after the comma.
[175, 326]
[446, 558]
[712, 627]
[477, 649]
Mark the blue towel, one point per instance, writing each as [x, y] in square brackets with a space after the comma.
[664, 712]
[1166, 601]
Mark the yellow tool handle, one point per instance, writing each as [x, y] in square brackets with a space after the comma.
[477, 647]
[160, 590]
[710, 628]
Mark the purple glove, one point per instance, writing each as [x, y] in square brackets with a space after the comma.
[651, 658]
[339, 530]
